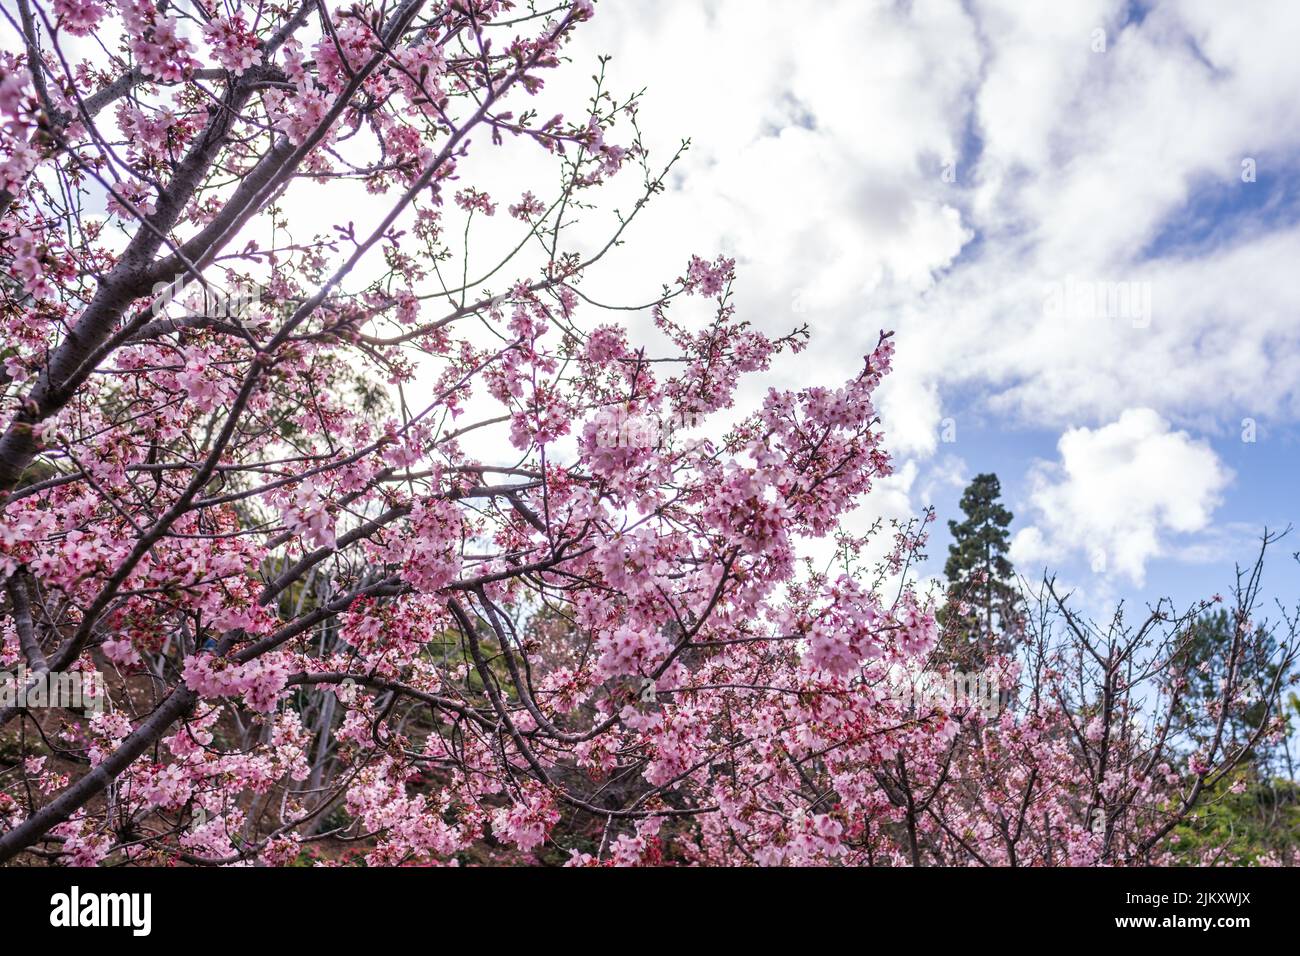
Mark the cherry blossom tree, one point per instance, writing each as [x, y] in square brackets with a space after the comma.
[1088, 765]
[352, 524]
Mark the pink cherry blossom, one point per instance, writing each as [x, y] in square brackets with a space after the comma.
[456, 546]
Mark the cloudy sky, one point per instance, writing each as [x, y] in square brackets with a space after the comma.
[1079, 217]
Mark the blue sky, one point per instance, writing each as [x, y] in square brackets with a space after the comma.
[1261, 495]
[1261, 492]
[948, 170]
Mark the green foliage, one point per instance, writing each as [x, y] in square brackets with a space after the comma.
[980, 576]
[1262, 821]
[1203, 659]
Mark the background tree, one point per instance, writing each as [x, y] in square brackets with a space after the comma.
[1203, 661]
[1244, 820]
[982, 614]
[1253, 815]
[1094, 763]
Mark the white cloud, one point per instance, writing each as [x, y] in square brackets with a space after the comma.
[947, 471]
[820, 133]
[1120, 495]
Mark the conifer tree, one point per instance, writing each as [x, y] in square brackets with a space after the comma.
[982, 614]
